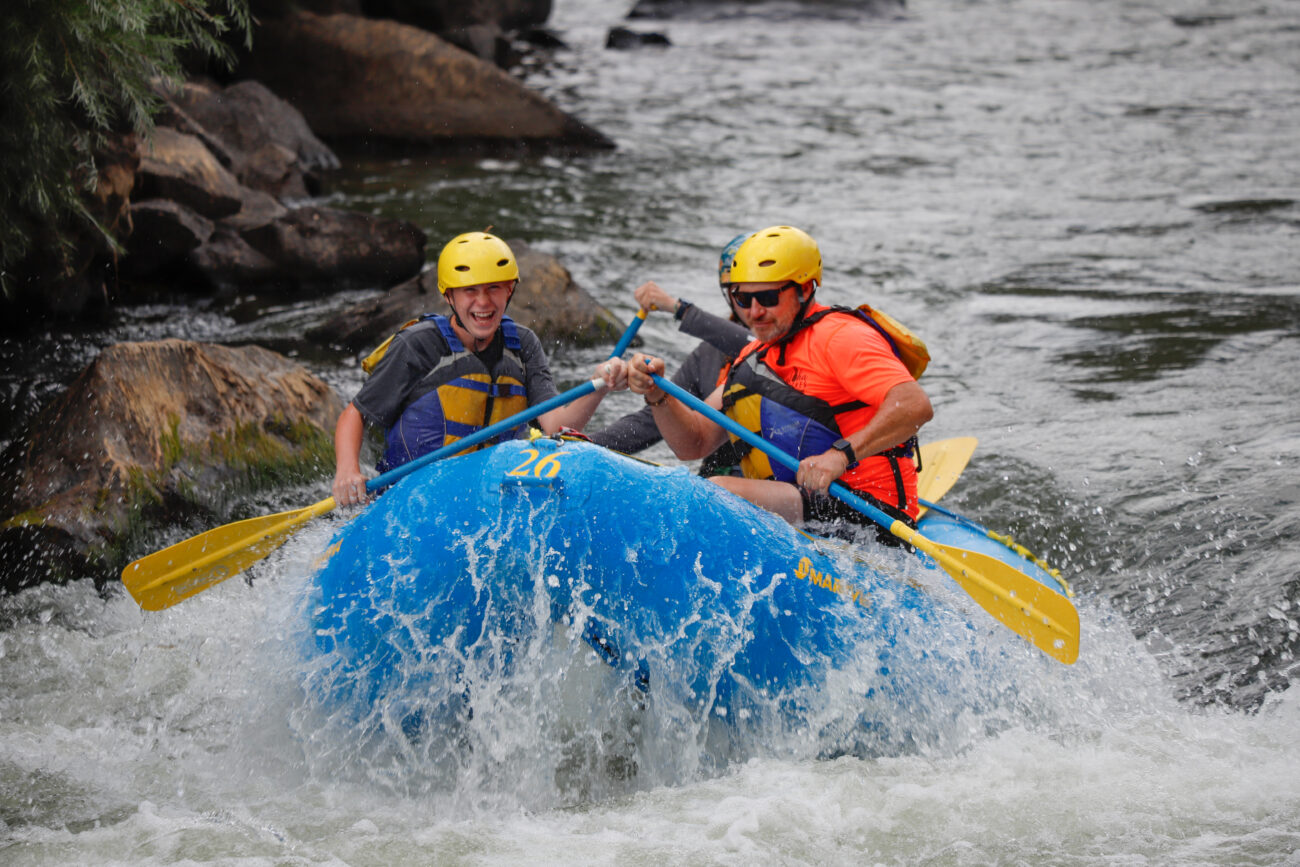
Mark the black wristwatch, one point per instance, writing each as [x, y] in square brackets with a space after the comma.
[682, 304]
[842, 445]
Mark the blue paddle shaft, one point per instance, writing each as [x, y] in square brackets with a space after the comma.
[788, 461]
[630, 332]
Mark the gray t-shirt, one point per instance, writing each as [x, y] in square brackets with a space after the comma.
[417, 350]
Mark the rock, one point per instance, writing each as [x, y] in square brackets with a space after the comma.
[540, 37]
[149, 433]
[363, 326]
[547, 300]
[1246, 204]
[162, 233]
[486, 42]
[256, 210]
[339, 249]
[269, 248]
[179, 167]
[1204, 19]
[173, 114]
[228, 264]
[621, 37]
[270, 145]
[672, 8]
[380, 82]
[442, 15]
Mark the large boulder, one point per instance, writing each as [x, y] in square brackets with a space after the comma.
[551, 303]
[269, 144]
[338, 249]
[163, 232]
[148, 433]
[380, 82]
[547, 300]
[228, 264]
[673, 8]
[179, 167]
[443, 15]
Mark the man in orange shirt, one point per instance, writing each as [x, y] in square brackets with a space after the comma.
[819, 382]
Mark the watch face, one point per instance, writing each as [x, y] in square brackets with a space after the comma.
[843, 446]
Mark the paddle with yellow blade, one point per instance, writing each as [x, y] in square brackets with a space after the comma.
[1004, 540]
[166, 577]
[941, 464]
[1033, 611]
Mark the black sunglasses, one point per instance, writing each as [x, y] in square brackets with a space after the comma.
[765, 297]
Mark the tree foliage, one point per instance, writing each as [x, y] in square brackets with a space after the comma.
[73, 72]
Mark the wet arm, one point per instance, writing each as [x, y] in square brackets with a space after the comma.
[905, 409]
[689, 434]
[349, 483]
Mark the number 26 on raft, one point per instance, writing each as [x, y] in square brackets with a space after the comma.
[546, 468]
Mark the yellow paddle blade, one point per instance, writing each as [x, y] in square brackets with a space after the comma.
[1026, 607]
[165, 577]
[942, 462]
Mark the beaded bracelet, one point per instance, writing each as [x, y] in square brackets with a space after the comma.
[659, 402]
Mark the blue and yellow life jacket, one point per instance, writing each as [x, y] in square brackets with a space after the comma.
[458, 397]
[800, 424]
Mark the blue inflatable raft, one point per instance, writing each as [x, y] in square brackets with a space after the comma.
[478, 583]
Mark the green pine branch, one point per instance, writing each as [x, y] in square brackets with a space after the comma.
[73, 72]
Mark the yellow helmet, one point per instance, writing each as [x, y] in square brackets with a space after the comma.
[777, 253]
[474, 258]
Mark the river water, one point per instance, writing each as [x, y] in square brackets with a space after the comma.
[1090, 210]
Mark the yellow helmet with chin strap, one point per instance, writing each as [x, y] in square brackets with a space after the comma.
[777, 253]
[474, 258]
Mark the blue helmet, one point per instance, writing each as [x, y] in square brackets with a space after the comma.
[729, 255]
